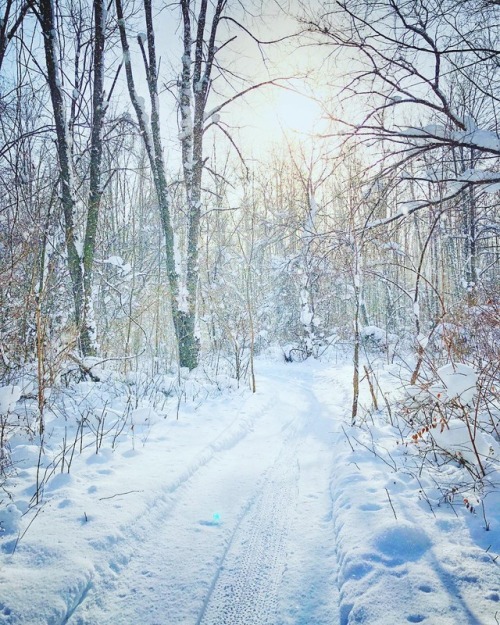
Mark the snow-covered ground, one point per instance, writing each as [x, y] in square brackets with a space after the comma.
[247, 509]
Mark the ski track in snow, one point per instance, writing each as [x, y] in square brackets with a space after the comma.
[235, 570]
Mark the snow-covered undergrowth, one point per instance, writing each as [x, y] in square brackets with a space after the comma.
[84, 415]
[456, 417]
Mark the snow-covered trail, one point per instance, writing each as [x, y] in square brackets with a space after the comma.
[264, 509]
[227, 546]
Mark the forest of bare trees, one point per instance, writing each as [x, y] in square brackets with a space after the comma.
[135, 230]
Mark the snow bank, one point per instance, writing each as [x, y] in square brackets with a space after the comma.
[409, 549]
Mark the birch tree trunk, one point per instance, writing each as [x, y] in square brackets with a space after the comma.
[151, 135]
[194, 90]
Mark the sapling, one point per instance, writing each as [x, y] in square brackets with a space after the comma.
[74, 444]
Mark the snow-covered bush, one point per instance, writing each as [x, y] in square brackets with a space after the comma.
[373, 337]
[453, 416]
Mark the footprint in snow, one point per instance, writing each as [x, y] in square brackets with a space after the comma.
[405, 543]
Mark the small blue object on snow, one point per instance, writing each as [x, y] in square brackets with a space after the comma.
[215, 520]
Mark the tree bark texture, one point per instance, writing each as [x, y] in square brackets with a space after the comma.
[47, 20]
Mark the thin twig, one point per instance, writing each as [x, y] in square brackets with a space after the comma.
[348, 439]
[119, 494]
[390, 501]
[21, 536]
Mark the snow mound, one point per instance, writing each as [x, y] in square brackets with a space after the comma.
[25, 456]
[9, 396]
[144, 416]
[456, 438]
[10, 517]
[459, 381]
[372, 335]
[403, 542]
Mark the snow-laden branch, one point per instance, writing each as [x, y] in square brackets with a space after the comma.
[413, 206]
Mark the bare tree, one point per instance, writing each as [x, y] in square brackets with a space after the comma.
[408, 59]
[200, 39]
[48, 24]
[80, 263]
[10, 22]
[87, 337]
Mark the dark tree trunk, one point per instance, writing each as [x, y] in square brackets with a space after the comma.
[47, 20]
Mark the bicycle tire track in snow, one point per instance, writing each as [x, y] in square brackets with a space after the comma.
[280, 567]
[246, 584]
[117, 548]
[222, 517]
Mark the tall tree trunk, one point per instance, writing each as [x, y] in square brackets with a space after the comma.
[355, 360]
[183, 321]
[80, 267]
[195, 89]
[357, 336]
[49, 31]
[470, 247]
[87, 331]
